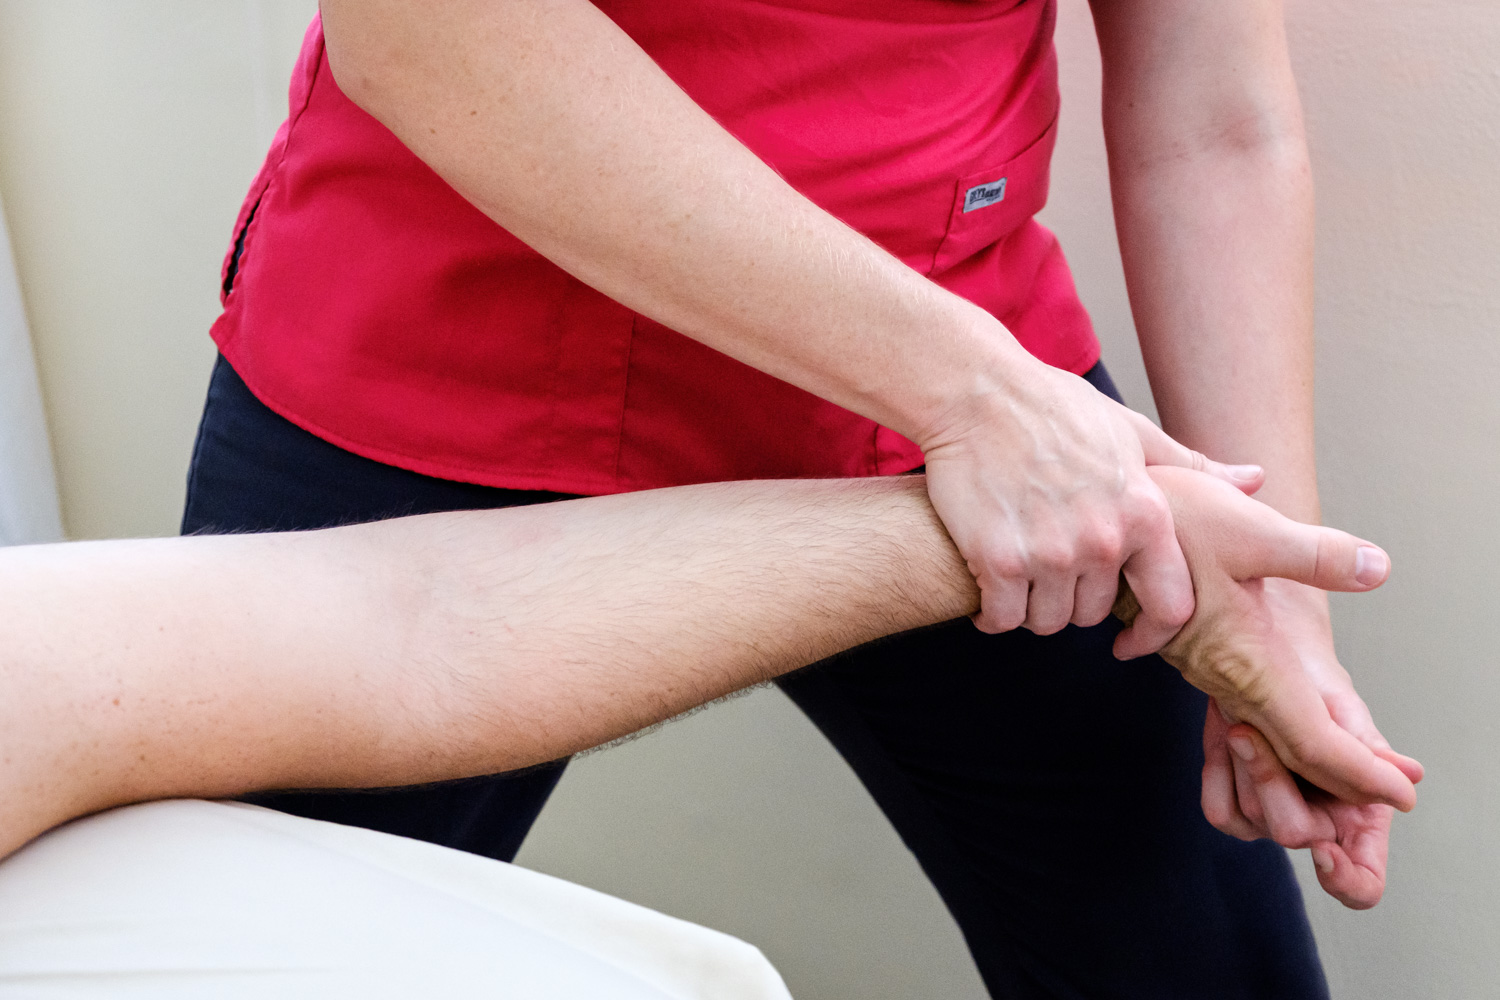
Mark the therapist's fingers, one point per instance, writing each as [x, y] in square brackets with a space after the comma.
[1049, 606]
[1004, 605]
[1161, 590]
[1160, 448]
[1095, 595]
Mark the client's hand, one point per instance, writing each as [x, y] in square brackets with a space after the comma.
[1255, 646]
[1249, 793]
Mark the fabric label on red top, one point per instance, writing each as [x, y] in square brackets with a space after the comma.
[984, 195]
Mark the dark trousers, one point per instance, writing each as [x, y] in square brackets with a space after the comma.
[1049, 791]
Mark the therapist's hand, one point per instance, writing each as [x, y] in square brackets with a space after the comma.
[1043, 486]
[1244, 645]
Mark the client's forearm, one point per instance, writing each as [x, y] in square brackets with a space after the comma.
[439, 646]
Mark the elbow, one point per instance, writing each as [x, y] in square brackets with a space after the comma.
[1271, 137]
[364, 59]
[1270, 133]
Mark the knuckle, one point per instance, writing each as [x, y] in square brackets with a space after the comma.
[1099, 543]
[1053, 558]
[1177, 611]
[1005, 564]
[1289, 833]
[1149, 506]
[1107, 547]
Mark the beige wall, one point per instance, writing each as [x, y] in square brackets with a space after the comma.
[128, 134]
[129, 130]
[1403, 109]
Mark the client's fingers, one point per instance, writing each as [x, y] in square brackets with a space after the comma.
[1284, 812]
[1358, 886]
[1408, 766]
[1352, 872]
[1310, 743]
[1220, 801]
[1351, 713]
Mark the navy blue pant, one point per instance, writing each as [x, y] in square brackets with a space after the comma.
[1049, 791]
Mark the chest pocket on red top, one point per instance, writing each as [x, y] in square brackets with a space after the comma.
[990, 204]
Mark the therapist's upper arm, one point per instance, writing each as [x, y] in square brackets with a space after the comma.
[1184, 75]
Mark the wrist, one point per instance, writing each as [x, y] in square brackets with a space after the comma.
[983, 377]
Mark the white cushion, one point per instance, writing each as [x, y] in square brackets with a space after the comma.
[210, 899]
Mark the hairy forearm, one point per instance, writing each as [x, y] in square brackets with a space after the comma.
[438, 646]
[522, 106]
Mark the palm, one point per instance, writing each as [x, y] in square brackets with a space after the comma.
[1350, 840]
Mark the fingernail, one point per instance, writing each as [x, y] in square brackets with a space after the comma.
[1370, 565]
[1244, 473]
[1242, 747]
[1323, 860]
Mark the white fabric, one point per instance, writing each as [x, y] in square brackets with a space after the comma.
[28, 492]
[209, 899]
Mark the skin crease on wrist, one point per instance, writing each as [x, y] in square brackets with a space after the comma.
[214, 666]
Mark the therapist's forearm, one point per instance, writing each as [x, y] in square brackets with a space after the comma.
[1214, 204]
[552, 121]
[434, 647]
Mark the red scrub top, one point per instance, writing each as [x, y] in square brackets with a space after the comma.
[375, 307]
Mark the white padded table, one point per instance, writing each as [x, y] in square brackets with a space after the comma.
[210, 899]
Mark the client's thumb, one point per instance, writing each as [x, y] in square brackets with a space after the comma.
[1321, 557]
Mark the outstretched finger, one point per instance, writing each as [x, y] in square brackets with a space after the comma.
[1160, 448]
